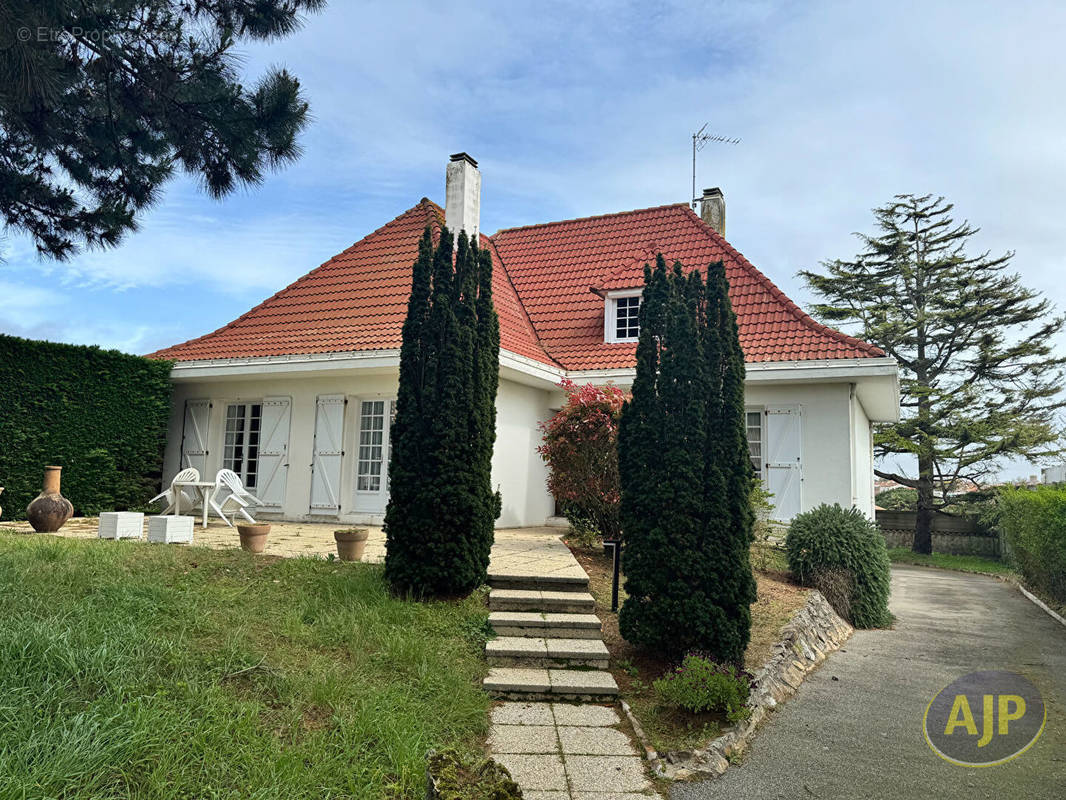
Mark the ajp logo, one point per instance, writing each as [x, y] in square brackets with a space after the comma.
[984, 718]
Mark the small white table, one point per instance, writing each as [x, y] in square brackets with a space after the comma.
[206, 490]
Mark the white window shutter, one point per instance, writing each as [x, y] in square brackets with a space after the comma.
[326, 467]
[274, 452]
[784, 459]
[194, 435]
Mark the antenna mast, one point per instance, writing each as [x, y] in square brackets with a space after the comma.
[699, 140]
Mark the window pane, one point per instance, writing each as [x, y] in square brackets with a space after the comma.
[371, 442]
[627, 311]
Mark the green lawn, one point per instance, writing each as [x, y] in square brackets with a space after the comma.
[902, 555]
[130, 670]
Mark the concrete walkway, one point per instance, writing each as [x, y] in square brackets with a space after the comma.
[558, 751]
[854, 729]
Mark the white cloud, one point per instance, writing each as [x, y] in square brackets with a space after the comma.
[577, 109]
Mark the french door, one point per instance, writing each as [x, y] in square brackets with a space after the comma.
[373, 454]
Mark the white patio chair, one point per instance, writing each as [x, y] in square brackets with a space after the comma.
[189, 500]
[231, 497]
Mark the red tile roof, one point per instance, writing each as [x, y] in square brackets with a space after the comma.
[355, 301]
[555, 266]
[543, 288]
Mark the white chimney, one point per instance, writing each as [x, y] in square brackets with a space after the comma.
[712, 209]
[462, 196]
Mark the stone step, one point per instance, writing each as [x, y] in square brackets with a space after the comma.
[576, 581]
[537, 600]
[549, 684]
[540, 624]
[524, 651]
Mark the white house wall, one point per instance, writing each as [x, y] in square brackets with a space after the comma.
[862, 479]
[826, 436]
[837, 462]
[517, 470]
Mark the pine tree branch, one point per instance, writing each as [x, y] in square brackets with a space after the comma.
[900, 479]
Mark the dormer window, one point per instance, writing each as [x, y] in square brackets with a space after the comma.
[621, 316]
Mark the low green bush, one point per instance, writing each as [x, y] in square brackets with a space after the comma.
[899, 499]
[842, 553]
[1033, 521]
[700, 684]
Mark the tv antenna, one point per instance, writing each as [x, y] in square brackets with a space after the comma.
[699, 140]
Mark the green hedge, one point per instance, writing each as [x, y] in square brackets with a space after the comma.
[99, 414]
[1033, 521]
[842, 554]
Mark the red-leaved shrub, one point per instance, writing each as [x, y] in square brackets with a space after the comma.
[581, 449]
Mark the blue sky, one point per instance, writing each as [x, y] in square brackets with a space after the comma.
[583, 108]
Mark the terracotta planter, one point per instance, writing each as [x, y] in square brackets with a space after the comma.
[49, 510]
[253, 537]
[350, 543]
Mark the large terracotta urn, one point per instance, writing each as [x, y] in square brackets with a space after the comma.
[49, 510]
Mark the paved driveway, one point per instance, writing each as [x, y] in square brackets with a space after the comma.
[854, 729]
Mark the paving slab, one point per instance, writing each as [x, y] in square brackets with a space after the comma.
[576, 648]
[524, 739]
[535, 772]
[576, 681]
[594, 741]
[514, 679]
[584, 715]
[605, 774]
[525, 646]
[518, 713]
[540, 619]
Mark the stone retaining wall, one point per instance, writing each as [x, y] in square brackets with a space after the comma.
[813, 632]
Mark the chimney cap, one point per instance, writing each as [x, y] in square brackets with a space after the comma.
[715, 192]
[463, 157]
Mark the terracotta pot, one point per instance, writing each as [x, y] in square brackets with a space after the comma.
[49, 510]
[253, 537]
[350, 543]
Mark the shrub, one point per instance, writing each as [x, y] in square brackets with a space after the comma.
[843, 551]
[100, 414]
[1033, 521]
[699, 684]
[899, 499]
[581, 450]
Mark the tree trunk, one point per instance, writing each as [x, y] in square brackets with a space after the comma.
[923, 531]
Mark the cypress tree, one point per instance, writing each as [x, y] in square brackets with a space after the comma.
[732, 518]
[681, 439]
[439, 521]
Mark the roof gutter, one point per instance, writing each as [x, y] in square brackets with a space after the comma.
[530, 370]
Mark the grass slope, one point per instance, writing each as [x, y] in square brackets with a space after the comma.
[130, 670]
